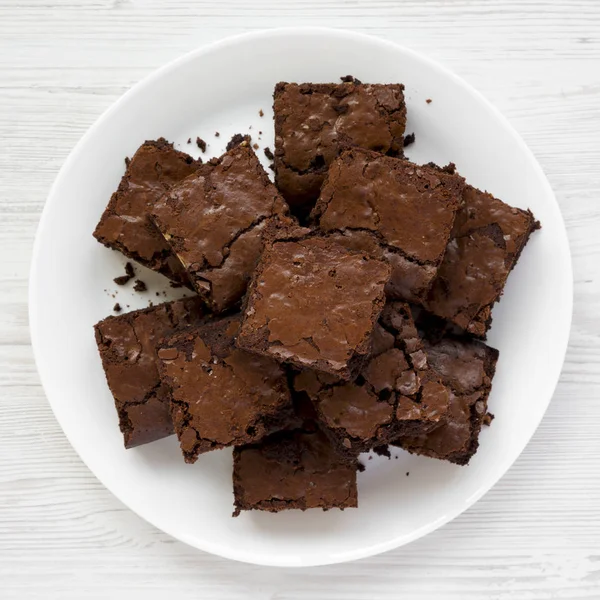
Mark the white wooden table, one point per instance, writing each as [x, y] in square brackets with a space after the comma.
[536, 535]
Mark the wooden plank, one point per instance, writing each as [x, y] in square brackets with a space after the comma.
[535, 536]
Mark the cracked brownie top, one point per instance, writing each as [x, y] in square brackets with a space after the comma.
[395, 394]
[221, 395]
[214, 221]
[315, 122]
[313, 303]
[293, 469]
[127, 345]
[392, 209]
[125, 225]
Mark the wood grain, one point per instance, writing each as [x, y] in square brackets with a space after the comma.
[535, 536]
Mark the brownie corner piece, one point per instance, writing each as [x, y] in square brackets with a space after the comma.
[214, 220]
[393, 209]
[331, 117]
[294, 469]
[221, 396]
[486, 243]
[127, 346]
[314, 304]
[125, 225]
[395, 394]
[467, 367]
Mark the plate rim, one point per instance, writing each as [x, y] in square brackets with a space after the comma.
[207, 49]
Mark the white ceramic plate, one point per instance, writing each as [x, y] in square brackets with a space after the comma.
[221, 88]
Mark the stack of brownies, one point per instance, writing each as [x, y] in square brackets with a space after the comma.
[337, 311]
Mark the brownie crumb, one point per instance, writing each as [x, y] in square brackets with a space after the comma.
[350, 79]
[236, 140]
[370, 457]
[122, 279]
[117, 307]
[407, 473]
[255, 146]
[269, 154]
[260, 133]
[189, 140]
[201, 144]
[217, 134]
[158, 293]
[487, 420]
[127, 161]
[360, 467]
[382, 451]
[175, 284]
[429, 100]
[140, 286]
[272, 167]
[129, 270]
[409, 139]
[261, 113]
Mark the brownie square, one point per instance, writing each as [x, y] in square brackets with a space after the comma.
[127, 345]
[125, 225]
[393, 209]
[487, 240]
[467, 367]
[315, 122]
[313, 303]
[396, 393]
[220, 395]
[292, 469]
[214, 222]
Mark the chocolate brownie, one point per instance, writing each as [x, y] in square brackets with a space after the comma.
[313, 303]
[214, 221]
[396, 393]
[315, 122]
[220, 395]
[293, 469]
[467, 367]
[127, 345]
[393, 209]
[125, 225]
[487, 240]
